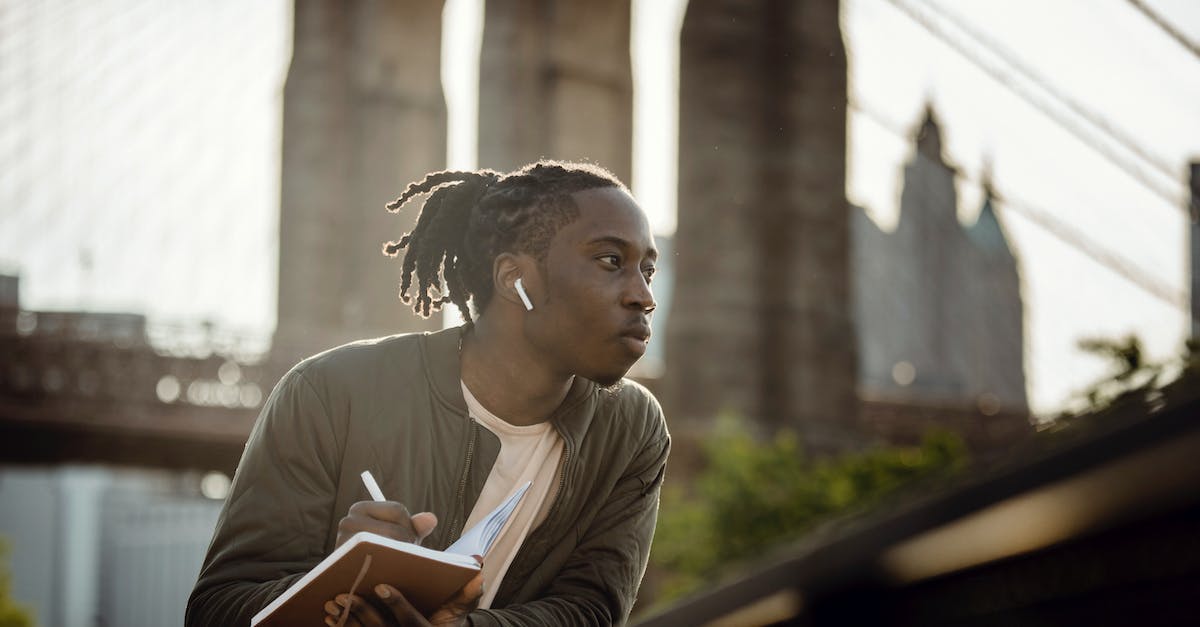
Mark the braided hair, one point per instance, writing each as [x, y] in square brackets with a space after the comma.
[471, 217]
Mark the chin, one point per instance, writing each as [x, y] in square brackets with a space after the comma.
[607, 373]
[609, 382]
[610, 378]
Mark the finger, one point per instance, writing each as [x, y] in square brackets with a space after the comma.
[365, 613]
[465, 600]
[402, 610]
[468, 596]
[350, 622]
[423, 523]
[334, 610]
[391, 511]
[349, 526]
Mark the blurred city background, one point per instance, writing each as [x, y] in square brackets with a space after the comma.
[902, 238]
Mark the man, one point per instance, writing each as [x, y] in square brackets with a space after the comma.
[555, 260]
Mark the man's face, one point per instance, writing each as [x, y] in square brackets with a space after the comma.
[591, 316]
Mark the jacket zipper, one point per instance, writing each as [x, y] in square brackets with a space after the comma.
[506, 584]
[562, 479]
[456, 527]
[562, 476]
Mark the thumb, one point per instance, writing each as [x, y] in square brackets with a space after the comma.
[423, 523]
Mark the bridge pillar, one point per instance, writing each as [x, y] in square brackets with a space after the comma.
[761, 321]
[555, 81]
[363, 114]
[1194, 244]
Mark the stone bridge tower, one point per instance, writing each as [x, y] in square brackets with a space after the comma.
[761, 321]
[363, 114]
[555, 81]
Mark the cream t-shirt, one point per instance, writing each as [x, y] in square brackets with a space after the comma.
[530, 453]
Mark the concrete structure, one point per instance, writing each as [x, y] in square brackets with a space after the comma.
[89, 387]
[1194, 243]
[10, 290]
[363, 115]
[93, 545]
[555, 81]
[763, 320]
[939, 308]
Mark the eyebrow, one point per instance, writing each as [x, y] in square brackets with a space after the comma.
[621, 242]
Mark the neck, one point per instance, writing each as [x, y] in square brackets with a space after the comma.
[508, 378]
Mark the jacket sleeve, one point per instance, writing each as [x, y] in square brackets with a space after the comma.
[275, 523]
[599, 583]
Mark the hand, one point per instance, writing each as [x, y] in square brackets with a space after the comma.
[389, 608]
[386, 518]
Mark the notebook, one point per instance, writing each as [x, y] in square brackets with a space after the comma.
[426, 577]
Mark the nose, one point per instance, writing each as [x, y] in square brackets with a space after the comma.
[639, 296]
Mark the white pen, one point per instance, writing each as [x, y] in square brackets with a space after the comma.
[372, 487]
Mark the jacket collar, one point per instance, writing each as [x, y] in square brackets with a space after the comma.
[443, 367]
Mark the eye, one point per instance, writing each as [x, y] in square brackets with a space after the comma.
[612, 261]
[648, 272]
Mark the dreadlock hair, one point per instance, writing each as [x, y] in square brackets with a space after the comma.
[471, 217]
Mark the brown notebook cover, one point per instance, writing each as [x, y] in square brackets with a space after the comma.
[426, 577]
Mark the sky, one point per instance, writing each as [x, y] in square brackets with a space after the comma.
[139, 164]
[1105, 57]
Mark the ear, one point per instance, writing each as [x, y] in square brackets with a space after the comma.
[509, 267]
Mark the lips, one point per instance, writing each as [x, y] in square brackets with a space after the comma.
[636, 337]
[640, 332]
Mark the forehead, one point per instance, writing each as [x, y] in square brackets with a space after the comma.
[607, 213]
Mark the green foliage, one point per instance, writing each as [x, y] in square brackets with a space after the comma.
[11, 614]
[1132, 375]
[753, 496]
[1134, 380]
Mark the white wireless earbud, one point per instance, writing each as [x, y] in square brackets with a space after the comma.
[523, 295]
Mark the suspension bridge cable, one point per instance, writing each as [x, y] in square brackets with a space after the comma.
[992, 46]
[1166, 26]
[1130, 168]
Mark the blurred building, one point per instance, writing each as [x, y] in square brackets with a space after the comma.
[104, 440]
[938, 303]
[99, 546]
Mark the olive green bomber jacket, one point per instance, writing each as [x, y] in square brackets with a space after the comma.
[394, 406]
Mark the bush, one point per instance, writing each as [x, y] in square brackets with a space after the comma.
[11, 614]
[752, 496]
